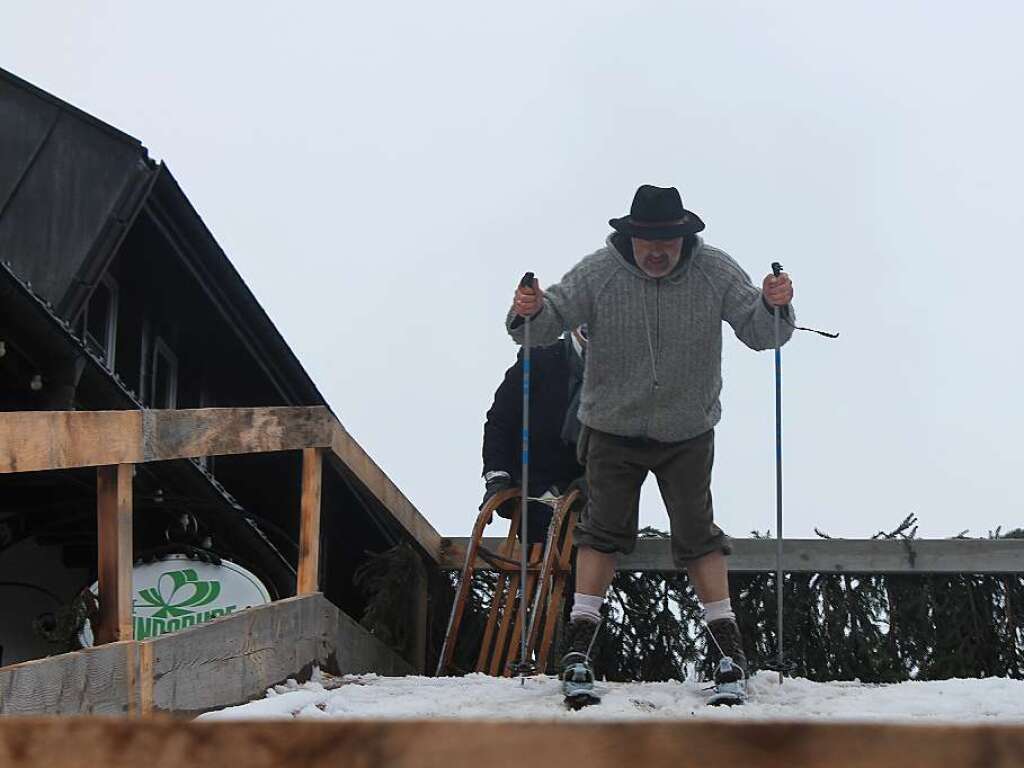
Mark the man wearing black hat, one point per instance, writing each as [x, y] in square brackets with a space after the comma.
[653, 299]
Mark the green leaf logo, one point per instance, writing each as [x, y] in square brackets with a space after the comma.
[174, 585]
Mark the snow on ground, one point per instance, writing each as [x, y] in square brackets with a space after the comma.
[483, 697]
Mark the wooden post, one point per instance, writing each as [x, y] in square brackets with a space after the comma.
[145, 678]
[309, 526]
[114, 529]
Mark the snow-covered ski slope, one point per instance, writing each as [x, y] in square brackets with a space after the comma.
[481, 697]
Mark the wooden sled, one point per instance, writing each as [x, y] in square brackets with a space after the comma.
[547, 571]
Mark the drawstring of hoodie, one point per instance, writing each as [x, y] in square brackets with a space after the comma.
[647, 328]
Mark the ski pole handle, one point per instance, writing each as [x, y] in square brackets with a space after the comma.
[776, 268]
[527, 281]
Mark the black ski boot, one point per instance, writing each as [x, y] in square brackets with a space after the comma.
[577, 673]
[731, 673]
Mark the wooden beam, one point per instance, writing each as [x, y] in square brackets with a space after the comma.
[228, 431]
[353, 459]
[114, 530]
[819, 555]
[144, 678]
[235, 659]
[93, 681]
[309, 523]
[44, 440]
[312, 743]
[37, 440]
[228, 661]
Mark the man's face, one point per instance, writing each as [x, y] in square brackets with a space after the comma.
[657, 257]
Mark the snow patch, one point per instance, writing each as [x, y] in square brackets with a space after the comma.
[539, 698]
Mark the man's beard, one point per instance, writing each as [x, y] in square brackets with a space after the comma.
[658, 262]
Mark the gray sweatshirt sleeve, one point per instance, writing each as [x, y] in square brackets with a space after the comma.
[567, 304]
[744, 308]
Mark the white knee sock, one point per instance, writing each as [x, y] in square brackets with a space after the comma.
[586, 607]
[718, 610]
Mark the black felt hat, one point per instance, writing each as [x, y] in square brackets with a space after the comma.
[657, 213]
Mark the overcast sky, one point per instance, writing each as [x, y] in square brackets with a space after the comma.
[381, 174]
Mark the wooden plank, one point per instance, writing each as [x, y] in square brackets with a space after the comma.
[819, 555]
[507, 615]
[351, 457]
[165, 743]
[507, 585]
[145, 678]
[558, 547]
[348, 649]
[309, 524]
[556, 599]
[235, 659]
[96, 680]
[225, 431]
[132, 659]
[224, 662]
[31, 441]
[40, 440]
[114, 533]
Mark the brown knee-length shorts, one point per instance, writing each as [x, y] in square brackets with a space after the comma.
[616, 468]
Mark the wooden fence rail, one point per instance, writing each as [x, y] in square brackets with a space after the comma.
[818, 555]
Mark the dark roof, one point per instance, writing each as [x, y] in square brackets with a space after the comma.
[70, 188]
[64, 106]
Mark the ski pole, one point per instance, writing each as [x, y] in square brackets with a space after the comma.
[777, 270]
[526, 282]
[779, 576]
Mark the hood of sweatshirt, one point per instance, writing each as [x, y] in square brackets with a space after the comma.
[624, 255]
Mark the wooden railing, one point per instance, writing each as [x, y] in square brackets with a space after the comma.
[114, 441]
[904, 556]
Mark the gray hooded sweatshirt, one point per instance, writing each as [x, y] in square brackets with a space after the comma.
[654, 353]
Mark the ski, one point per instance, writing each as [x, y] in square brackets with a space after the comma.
[730, 686]
[728, 695]
[582, 700]
[578, 686]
